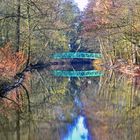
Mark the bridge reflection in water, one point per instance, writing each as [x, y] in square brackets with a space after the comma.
[89, 73]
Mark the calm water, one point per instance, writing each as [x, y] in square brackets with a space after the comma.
[62, 108]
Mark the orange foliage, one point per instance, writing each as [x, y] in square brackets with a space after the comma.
[97, 64]
[16, 97]
[102, 7]
[11, 62]
[132, 70]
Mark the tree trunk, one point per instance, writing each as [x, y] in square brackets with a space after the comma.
[17, 42]
[134, 61]
[29, 32]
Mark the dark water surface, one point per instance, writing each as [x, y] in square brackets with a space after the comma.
[64, 108]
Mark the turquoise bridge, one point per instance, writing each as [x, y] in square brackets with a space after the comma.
[70, 55]
[73, 73]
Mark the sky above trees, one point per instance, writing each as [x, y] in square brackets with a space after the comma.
[81, 4]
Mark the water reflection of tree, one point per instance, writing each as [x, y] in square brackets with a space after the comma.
[45, 108]
[114, 111]
[111, 104]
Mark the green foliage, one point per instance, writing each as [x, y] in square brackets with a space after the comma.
[43, 25]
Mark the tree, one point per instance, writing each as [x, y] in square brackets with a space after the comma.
[17, 40]
[111, 23]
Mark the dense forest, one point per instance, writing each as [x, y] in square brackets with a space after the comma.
[115, 25]
[32, 30]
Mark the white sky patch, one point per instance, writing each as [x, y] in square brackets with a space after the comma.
[81, 4]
